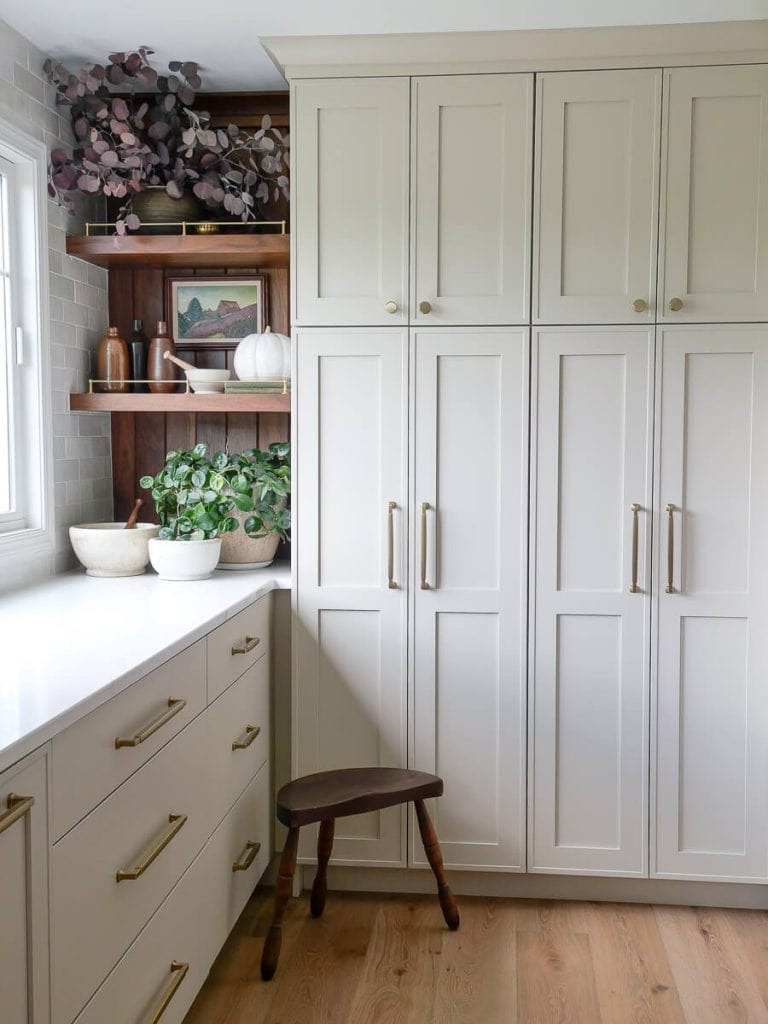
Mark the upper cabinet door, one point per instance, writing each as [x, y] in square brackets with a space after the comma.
[350, 201]
[714, 215]
[596, 197]
[472, 163]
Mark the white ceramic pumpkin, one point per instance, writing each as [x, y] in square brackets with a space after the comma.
[263, 355]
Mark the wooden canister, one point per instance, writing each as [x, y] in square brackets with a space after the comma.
[160, 370]
[112, 363]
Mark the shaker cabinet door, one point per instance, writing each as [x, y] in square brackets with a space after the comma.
[714, 211]
[590, 600]
[472, 166]
[596, 196]
[350, 201]
[470, 423]
[711, 778]
[351, 521]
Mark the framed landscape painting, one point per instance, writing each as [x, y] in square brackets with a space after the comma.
[216, 312]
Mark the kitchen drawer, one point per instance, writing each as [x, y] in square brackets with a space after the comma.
[95, 917]
[193, 922]
[239, 727]
[237, 644]
[87, 763]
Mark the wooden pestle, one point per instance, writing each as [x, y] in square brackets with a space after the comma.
[131, 522]
[179, 362]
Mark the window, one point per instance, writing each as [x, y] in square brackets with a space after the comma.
[25, 456]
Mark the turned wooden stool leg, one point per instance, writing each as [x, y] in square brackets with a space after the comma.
[435, 858]
[273, 941]
[320, 884]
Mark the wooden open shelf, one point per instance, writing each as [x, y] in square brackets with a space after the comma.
[179, 403]
[182, 250]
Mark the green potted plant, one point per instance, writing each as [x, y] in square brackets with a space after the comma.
[194, 512]
[259, 483]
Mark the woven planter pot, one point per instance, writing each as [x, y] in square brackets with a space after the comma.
[239, 551]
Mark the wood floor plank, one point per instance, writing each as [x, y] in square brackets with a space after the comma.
[750, 928]
[555, 979]
[712, 974]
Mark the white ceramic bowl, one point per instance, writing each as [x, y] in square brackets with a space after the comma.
[208, 382]
[108, 549]
[184, 559]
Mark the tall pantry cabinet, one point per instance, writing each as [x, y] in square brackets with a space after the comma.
[565, 620]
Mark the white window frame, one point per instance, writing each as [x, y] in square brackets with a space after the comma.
[28, 529]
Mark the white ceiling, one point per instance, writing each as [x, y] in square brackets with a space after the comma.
[225, 39]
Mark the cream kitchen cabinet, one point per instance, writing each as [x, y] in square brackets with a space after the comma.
[350, 604]
[468, 539]
[596, 196]
[24, 979]
[711, 771]
[591, 515]
[714, 209]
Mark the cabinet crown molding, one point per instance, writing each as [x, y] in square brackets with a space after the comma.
[423, 53]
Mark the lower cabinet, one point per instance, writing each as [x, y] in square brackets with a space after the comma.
[24, 883]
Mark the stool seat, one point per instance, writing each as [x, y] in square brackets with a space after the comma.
[347, 791]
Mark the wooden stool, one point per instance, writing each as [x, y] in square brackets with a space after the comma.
[329, 795]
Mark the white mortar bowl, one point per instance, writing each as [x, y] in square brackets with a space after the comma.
[184, 559]
[108, 549]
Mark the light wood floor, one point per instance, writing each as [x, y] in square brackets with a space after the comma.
[389, 960]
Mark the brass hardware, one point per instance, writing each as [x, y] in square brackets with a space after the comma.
[639, 305]
[675, 305]
[179, 972]
[390, 307]
[187, 387]
[424, 510]
[425, 307]
[635, 508]
[177, 823]
[249, 856]
[175, 705]
[248, 646]
[17, 808]
[184, 224]
[391, 506]
[670, 549]
[251, 732]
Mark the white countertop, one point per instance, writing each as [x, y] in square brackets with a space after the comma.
[71, 643]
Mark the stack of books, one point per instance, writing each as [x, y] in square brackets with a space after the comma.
[265, 386]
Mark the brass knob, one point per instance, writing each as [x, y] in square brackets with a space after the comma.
[675, 304]
[425, 307]
[391, 307]
[639, 305]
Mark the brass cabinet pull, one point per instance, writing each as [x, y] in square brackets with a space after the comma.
[390, 307]
[248, 646]
[251, 732]
[639, 305]
[635, 508]
[177, 823]
[391, 506]
[670, 589]
[249, 856]
[17, 806]
[179, 972]
[175, 705]
[425, 307]
[675, 305]
[424, 509]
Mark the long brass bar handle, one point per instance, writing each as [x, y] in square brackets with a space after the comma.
[179, 972]
[670, 588]
[251, 732]
[17, 806]
[635, 508]
[175, 705]
[249, 856]
[391, 506]
[424, 509]
[150, 855]
[248, 646]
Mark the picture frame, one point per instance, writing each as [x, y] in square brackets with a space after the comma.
[225, 308]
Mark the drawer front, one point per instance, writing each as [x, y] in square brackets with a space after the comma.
[95, 917]
[239, 726]
[237, 644]
[87, 762]
[192, 924]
